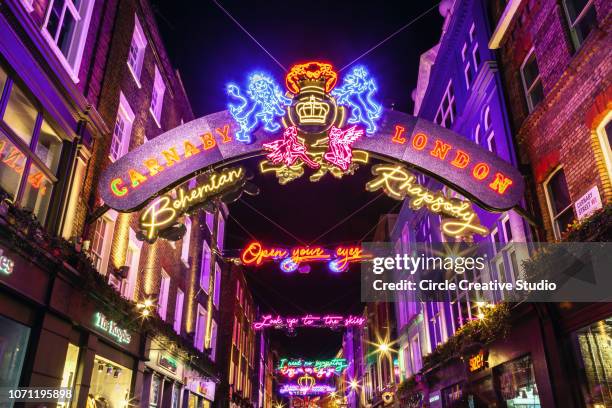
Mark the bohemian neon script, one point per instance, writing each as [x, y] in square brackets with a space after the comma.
[309, 320]
[164, 211]
[397, 182]
[290, 259]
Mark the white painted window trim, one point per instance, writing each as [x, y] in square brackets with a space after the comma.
[551, 212]
[449, 112]
[186, 241]
[490, 138]
[178, 311]
[217, 286]
[466, 70]
[472, 33]
[80, 34]
[526, 89]
[198, 341]
[139, 38]
[110, 217]
[505, 221]
[164, 294]
[124, 111]
[136, 245]
[205, 271]
[474, 51]
[160, 89]
[604, 143]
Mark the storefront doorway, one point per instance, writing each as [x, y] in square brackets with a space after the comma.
[110, 385]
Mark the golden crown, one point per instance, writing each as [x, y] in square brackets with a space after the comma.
[312, 111]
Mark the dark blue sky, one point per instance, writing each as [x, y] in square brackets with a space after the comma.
[210, 50]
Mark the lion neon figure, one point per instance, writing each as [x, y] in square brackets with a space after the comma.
[357, 92]
[265, 104]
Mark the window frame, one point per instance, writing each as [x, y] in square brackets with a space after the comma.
[528, 89]
[81, 29]
[203, 270]
[164, 295]
[449, 95]
[178, 310]
[551, 213]
[157, 97]
[186, 240]
[140, 39]
[604, 142]
[125, 112]
[572, 25]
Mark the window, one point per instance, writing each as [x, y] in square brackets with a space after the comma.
[110, 382]
[70, 368]
[205, 267]
[464, 51]
[517, 385]
[447, 110]
[472, 33]
[210, 221]
[164, 291]
[477, 134]
[132, 262]
[220, 231]
[65, 28]
[415, 357]
[200, 332]
[213, 341]
[487, 118]
[120, 142]
[604, 133]
[476, 57]
[217, 289]
[137, 50]
[507, 228]
[532, 84]
[178, 311]
[581, 18]
[186, 241]
[559, 202]
[593, 352]
[30, 149]
[467, 72]
[157, 97]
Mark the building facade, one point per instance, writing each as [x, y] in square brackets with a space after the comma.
[86, 303]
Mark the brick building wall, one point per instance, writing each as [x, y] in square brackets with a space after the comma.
[557, 132]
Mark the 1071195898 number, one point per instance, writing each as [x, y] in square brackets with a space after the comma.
[39, 394]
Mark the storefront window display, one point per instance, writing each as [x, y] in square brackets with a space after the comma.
[176, 395]
[593, 349]
[453, 396]
[155, 387]
[30, 148]
[517, 386]
[110, 385]
[13, 344]
[482, 394]
[70, 367]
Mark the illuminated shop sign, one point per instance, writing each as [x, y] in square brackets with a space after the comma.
[110, 327]
[398, 183]
[167, 362]
[290, 259]
[478, 361]
[6, 264]
[324, 124]
[164, 211]
[306, 385]
[309, 320]
[318, 368]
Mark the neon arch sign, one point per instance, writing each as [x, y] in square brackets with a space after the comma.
[215, 140]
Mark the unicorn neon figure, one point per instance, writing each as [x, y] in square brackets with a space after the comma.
[357, 92]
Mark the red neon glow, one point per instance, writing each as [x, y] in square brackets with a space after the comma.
[346, 255]
[256, 254]
[340, 151]
[288, 150]
[311, 71]
[306, 254]
[397, 137]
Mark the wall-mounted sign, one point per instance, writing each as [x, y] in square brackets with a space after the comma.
[309, 320]
[168, 363]
[398, 183]
[110, 327]
[316, 136]
[290, 259]
[588, 203]
[478, 361]
[6, 264]
[164, 211]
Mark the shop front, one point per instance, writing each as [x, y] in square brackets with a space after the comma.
[199, 389]
[163, 378]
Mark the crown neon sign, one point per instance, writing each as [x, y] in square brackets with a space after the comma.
[309, 320]
[338, 259]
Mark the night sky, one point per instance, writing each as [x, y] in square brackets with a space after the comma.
[210, 50]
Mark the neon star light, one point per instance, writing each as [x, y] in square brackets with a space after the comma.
[164, 211]
[357, 92]
[309, 320]
[398, 183]
[338, 259]
[264, 103]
